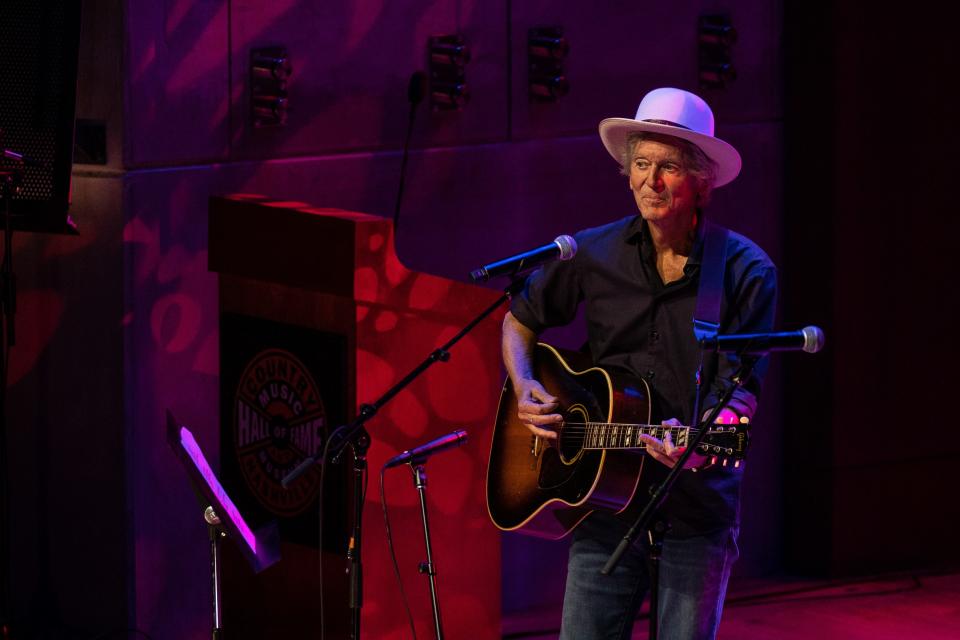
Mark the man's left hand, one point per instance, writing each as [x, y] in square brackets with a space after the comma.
[665, 452]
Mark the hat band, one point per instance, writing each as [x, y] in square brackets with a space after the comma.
[668, 123]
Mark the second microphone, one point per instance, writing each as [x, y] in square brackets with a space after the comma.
[418, 455]
[563, 248]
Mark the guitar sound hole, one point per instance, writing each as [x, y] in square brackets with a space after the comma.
[570, 440]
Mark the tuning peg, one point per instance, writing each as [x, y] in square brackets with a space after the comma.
[724, 462]
[713, 460]
[736, 464]
[744, 420]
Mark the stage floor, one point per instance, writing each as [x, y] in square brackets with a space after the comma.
[918, 607]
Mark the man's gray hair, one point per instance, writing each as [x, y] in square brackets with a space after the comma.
[695, 161]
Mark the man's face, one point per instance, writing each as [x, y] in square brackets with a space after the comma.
[661, 185]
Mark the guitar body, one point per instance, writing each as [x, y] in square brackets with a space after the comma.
[546, 489]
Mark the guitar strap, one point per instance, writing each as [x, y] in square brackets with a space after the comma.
[706, 318]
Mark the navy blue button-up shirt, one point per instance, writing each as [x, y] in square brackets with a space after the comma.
[638, 324]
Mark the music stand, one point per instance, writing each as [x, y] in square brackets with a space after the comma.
[261, 548]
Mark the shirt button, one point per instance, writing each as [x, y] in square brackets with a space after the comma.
[650, 374]
[654, 336]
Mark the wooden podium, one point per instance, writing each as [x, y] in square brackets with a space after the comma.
[317, 315]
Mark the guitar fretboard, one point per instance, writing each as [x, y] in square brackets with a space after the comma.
[612, 435]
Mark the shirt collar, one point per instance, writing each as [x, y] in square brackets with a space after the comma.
[638, 233]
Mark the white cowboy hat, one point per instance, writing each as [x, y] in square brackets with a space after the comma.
[677, 113]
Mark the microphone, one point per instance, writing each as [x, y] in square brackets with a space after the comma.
[809, 339]
[563, 248]
[424, 451]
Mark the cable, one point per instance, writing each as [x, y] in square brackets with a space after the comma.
[366, 483]
[393, 555]
[416, 89]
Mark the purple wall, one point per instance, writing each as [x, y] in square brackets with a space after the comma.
[501, 176]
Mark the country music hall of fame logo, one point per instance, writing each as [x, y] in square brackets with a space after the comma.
[279, 419]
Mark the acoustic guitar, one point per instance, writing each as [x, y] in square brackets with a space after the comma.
[547, 487]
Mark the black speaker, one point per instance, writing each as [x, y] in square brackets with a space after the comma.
[39, 42]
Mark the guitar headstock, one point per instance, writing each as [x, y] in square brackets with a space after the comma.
[726, 441]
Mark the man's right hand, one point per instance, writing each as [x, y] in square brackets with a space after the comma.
[536, 408]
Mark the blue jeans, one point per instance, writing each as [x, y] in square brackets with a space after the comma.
[693, 581]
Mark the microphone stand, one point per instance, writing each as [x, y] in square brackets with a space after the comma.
[427, 567]
[216, 533]
[659, 495]
[355, 435]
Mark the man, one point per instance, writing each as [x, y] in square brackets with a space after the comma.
[638, 279]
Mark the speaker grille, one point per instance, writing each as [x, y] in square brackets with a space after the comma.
[38, 70]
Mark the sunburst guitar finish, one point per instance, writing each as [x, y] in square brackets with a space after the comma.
[545, 487]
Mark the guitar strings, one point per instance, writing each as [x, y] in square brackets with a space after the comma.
[577, 433]
[576, 427]
[585, 426]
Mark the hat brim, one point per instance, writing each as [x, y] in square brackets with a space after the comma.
[614, 133]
